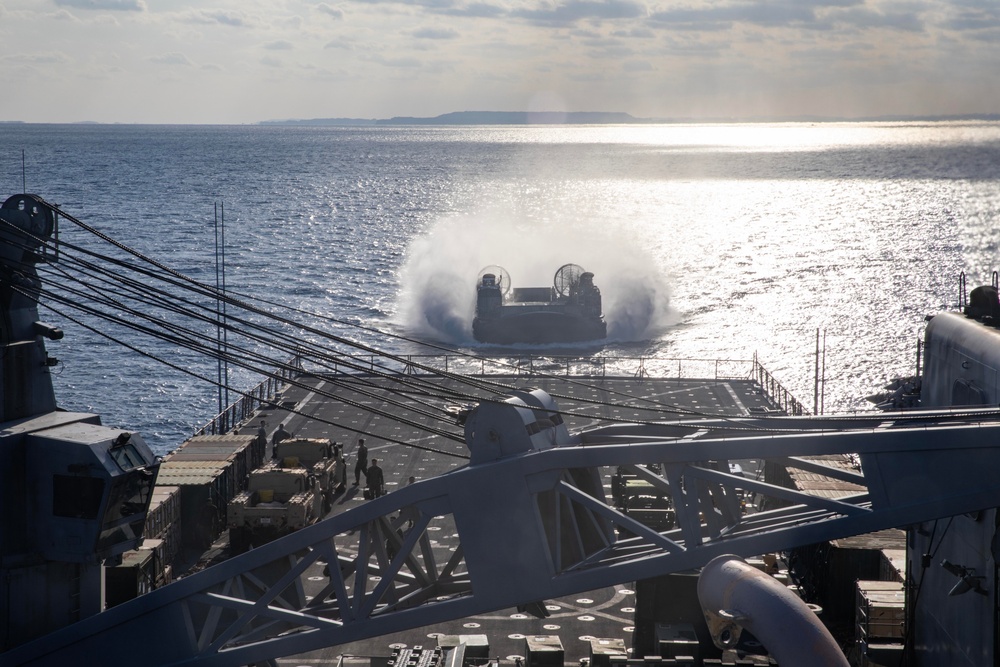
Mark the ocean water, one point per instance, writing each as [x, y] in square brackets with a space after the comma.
[707, 241]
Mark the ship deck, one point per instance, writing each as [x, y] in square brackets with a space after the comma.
[586, 401]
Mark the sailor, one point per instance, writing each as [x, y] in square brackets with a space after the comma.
[361, 467]
[262, 437]
[279, 435]
[376, 481]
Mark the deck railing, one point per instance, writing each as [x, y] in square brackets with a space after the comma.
[778, 393]
[520, 366]
[253, 399]
[542, 365]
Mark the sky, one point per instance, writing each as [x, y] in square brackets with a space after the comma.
[245, 61]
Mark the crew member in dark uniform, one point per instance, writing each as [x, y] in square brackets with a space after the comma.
[361, 467]
[276, 437]
[376, 481]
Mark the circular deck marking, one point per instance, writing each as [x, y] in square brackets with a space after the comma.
[585, 618]
[374, 577]
[434, 635]
[585, 601]
[515, 658]
[587, 638]
[470, 625]
[316, 578]
[552, 607]
[550, 627]
[516, 635]
[628, 628]
[625, 591]
[397, 645]
[628, 610]
[518, 617]
[433, 527]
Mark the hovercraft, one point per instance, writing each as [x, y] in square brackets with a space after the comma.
[569, 311]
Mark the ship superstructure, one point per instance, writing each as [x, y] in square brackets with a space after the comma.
[74, 494]
[954, 573]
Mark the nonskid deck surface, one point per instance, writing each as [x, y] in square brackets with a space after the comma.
[606, 613]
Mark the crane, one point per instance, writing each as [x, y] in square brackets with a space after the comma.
[534, 523]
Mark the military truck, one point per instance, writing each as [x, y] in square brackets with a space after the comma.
[642, 501]
[278, 500]
[316, 456]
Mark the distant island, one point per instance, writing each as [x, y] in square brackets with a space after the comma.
[514, 118]
[600, 118]
[485, 118]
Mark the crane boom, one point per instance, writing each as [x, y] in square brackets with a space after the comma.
[534, 523]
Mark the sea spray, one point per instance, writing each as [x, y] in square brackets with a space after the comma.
[438, 278]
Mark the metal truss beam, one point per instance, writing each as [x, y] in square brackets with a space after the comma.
[535, 524]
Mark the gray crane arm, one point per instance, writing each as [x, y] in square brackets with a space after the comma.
[533, 523]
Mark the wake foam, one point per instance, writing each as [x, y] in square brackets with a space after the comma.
[437, 298]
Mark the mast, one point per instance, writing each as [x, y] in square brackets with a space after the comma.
[26, 222]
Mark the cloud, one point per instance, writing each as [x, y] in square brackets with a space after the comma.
[171, 59]
[717, 17]
[271, 61]
[814, 15]
[53, 58]
[974, 19]
[340, 43]
[576, 10]
[335, 12]
[279, 45]
[635, 33]
[476, 10]
[435, 33]
[61, 15]
[637, 66]
[862, 17]
[107, 5]
[438, 5]
[216, 16]
[399, 63]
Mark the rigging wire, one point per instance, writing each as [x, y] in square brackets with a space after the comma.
[184, 337]
[190, 281]
[436, 386]
[431, 389]
[494, 386]
[206, 349]
[193, 374]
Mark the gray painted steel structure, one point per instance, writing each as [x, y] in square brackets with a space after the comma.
[534, 524]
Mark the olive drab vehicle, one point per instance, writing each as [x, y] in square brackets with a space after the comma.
[316, 456]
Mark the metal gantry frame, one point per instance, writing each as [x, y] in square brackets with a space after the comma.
[533, 523]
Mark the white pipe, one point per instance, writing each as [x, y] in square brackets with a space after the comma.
[734, 595]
